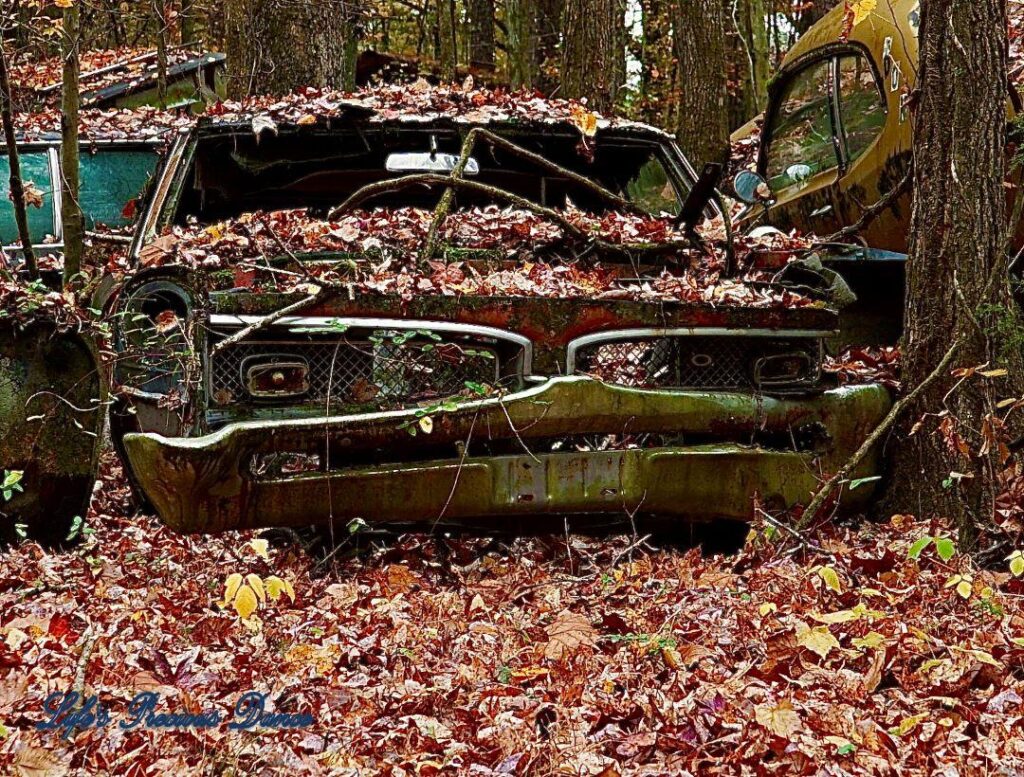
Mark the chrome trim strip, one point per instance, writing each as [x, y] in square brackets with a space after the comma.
[615, 335]
[146, 226]
[326, 323]
[57, 181]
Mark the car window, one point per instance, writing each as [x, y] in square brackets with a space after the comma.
[801, 134]
[110, 180]
[35, 172]
[653, 190]
[860, 105]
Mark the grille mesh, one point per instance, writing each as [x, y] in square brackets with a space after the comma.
[684, 362]
[381, 374]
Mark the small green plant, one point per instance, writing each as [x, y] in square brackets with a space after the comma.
[11, 483]
[944, 547]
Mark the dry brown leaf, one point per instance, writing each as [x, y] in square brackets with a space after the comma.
[569, 632]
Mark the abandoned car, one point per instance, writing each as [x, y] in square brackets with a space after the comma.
[123, 78]
[836, 137]
[457, 311]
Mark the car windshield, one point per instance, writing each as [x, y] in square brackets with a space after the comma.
[236, 173]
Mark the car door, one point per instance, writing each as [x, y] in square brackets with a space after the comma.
[875, 153]
[800, 153]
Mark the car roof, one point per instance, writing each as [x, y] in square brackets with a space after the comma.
[419, 105]
[896, 19]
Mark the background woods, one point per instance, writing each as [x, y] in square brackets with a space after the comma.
[627, 55]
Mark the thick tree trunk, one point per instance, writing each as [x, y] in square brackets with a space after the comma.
[481, 35]
[699, 37]
[521, 41]
[72, 222]
[17, 185]
[957, 284]
[449, 51]
[276, 46]
[594, 54]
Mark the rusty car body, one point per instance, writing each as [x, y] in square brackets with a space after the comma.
[443, 407]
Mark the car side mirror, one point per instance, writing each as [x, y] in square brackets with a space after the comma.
[751, 189]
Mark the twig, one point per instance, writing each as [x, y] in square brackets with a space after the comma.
[432, 179]
[267, 320]
[88, 641]
[103, 237]
[816, 503]
[871, 213]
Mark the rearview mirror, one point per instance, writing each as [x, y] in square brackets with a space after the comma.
[425, 162]
[750, 188]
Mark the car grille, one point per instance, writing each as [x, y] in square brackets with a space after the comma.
[378, 373]
[688, 362]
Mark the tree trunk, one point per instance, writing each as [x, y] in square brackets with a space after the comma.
[593, 53]
[449, 51]
[957, 280]
[17, 185]
[277, 46]
[748, 58]
[547, 53]
[160, 16]
[521, 26]
[72, 222]
[188, 21]
[699, 37]
[481, 35]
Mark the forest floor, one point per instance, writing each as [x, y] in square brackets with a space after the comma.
[556, 655]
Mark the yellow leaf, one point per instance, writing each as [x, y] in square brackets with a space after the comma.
[931, 663]
[275, 587]
[584, 120]
[985, 658]
[230, 589]
[259, 547]
[1016, 560]
[63, 3]
[907, 725]
[964, 585]
[861, 9]
[245, 602]
[781, 719]
[842, 616]
[870, 640]
[306, 120]
[257, 585]
[768, 607]
[819, 639]
[289, 590]
[994, 373]
[831, 579]
[427, 424]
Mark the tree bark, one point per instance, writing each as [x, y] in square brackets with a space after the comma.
[188, 21]
[699, 38]
[546, 52]
[160, 16]
[72, 221]
[277, 46]
[448, 50]
[481, 35]
[17, 185]
[593, 53]
[957, 279]
[748, 58]
[521, 27]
